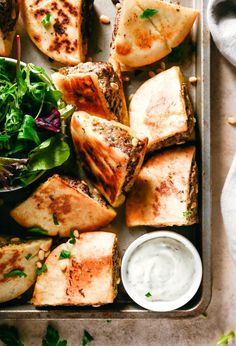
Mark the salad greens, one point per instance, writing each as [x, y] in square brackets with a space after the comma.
[32, 124]
[9, 336]
[52, 338]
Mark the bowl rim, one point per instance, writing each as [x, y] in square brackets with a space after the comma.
[162, 306]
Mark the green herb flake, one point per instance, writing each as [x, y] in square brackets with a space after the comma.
[98, 50]
[46, 20]
[37, 230]
[16, 272]
[72, 237]
[55, 220]
[187, 213]
[148, 295]
[9, 336]
[148, 12]
[224, 339]
[42, 270]
[64, 254]
[52, 338]
[87, 338]
[28, 256]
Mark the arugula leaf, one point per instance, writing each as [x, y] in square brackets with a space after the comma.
[98, 50]
[41, 270]
[87, 338]
[37, 230]
[8, 167]
[64, 254]
[15, 272]
[46, 20]
[51, 153]
[9, 336]
[13, 120]
[224, 339]
[148, 12]
[28, 130]
[52, 338]
[72, 237]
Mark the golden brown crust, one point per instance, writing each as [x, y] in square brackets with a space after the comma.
[61, 38]
[160, 196]
[88, 276]
[110, 152]
[57, 197]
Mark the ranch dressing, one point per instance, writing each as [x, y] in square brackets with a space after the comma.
[161, 269]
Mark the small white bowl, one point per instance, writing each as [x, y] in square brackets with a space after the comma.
[162, 305]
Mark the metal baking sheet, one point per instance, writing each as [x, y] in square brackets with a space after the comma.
[196, 63]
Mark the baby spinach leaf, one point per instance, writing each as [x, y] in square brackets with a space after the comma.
[28, 130]
[51, 153]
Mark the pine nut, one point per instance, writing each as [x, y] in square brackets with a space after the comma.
[76, 233]
[104, 19]
[114, 86]
[45, 247]
[126, 78]
[231, 120]
[162, 65]
[41, 255]
[151, 74]
[192, 80]
[39, 265]
[63, 265]
[118, 6]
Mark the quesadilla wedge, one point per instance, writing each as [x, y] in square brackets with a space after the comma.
[8, 19]
[83, 273]
[110, 152]
[165, 192]
[62, 204]
[18, 270]
[93, 87]
[60, 29]
[146, 31]
[161, 110]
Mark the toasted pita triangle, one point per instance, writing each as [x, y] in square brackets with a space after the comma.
[140, 42]
[61, 38]
[137, 41]
[172, 21]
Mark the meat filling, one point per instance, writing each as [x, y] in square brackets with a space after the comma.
[192, 210]
[108, 80]
[86, 13]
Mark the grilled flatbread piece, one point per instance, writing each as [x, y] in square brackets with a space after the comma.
[93, 87]
[161, 110]
[142, 39]
[8, 19]
[88, 276]
[59, 28]
[110, 152]
[18, 265]
[165, 192]
[62, 204]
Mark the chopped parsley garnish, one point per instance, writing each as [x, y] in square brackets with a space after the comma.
[148, 295]
[224, 339]
[87, 338]
[46, 20]
[9, 336]
[42, 269]
[64, 254]
[55, 220]
[52, 338]
[187, 213]
[16, 272]
[72, 238]
[98, 50]
[148, 12]
[28, 256]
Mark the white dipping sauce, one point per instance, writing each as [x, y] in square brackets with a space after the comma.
[161, 269]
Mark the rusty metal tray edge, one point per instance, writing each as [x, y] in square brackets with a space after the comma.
[132, 311]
